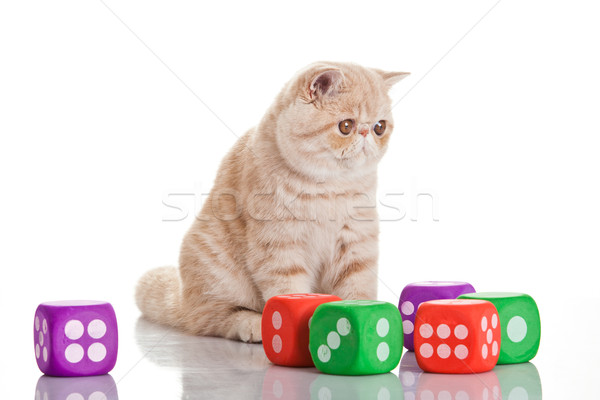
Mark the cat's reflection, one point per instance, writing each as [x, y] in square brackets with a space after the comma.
[100, 387]
[210, 367]
[516, 381]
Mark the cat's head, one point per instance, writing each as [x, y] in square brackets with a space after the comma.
[335, 118]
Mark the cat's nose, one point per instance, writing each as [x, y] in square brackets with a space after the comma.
[363, 129]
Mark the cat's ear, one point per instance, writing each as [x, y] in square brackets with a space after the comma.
[325, 83]
[391, 78]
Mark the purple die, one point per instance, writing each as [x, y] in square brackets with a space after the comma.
[101, 387]
[416, 293]
[75, 338]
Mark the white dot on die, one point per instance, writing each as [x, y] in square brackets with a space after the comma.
[444, 395]
[443, 331]
[276, 320]
[278, 389]
[484, 324]
[41, 339]
[75, 396]
[384, 394]
[343, 326]
[516, 329]
[496, 392]
[277, 344]
[426, 331]
[74, 353]
[495, 348]
[37, 351]
[383, 351]
[96, 352]
[461, 351]
[408, 327]
[461, 395]
[426, 350]
[494, 321]
[407, 308]
[461, 332]
[518, 393]
[37, 323]
[484, 351]
[408, 378]
[45, 326]
[444, 351]
[333, 340]
[383, 327]
[96, 328]
[490, 336]
[97, 396]
[74, 329]
[323, 353]
[325, 393]
[485, 395]
[45, 353]
[427, 395]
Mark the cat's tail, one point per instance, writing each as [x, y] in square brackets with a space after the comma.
[158, 296]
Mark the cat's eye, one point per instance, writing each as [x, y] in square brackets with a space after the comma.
[346, 126]
[379, 128]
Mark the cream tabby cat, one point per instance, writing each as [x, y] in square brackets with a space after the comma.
[291, 211]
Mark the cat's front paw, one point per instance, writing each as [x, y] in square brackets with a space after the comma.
[249, 329]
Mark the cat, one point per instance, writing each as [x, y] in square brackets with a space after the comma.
[291, 211]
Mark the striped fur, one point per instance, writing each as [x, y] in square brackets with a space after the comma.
[292, 210]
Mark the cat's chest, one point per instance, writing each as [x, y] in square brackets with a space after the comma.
[321, 240]
[329, 209]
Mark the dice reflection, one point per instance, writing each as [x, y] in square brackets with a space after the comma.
[376, 387]
[483, 386]
[519, 381]
[514, 381]
[288, 383]
[101, 387]
[409, 375]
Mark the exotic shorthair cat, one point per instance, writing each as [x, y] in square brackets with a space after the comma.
[292, 209]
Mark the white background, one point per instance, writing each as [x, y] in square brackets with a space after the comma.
[103, 115]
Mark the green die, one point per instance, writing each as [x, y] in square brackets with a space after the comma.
[519, 323]
[356, 337]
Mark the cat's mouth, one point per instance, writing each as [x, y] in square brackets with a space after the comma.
[357, 151]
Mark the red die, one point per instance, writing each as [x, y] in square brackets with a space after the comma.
[285, 322]
[457, 336]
